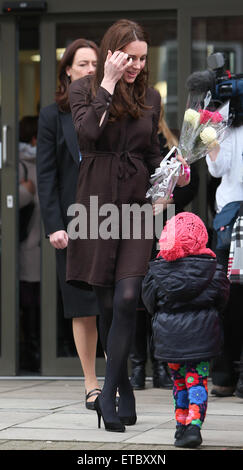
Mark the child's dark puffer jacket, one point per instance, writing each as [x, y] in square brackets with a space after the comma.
[186, 297]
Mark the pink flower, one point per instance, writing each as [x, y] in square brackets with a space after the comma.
[217, 117]
[194, 413]
[181, 415]
[205, 116]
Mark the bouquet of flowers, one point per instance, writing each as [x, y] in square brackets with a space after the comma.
[202, 130]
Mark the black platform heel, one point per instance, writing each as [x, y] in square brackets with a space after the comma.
[113, 427]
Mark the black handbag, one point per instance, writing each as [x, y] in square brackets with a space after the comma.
[25, 213]
[223, 224]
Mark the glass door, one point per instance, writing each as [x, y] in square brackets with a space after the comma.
[58, 353]
[29, 243]
[8, 197]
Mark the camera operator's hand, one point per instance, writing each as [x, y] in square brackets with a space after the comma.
[214, 153]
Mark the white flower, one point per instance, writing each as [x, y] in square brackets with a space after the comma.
[208, 135]
[192, 116]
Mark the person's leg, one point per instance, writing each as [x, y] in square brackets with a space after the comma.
[197, 386]
[30, 325]
[181, 402]
[105, 296]
[85, 338]
[239, 385]
[222, 367]
[196, 382]
[119, 339]
[138, 353]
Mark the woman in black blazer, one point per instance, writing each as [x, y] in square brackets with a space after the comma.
[58, 161]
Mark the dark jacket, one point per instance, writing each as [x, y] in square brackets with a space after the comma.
[57, 166]
[57, 175]
[186, 296]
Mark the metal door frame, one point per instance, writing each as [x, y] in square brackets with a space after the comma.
[9, 195]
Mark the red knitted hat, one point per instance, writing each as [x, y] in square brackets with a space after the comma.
[183, 235]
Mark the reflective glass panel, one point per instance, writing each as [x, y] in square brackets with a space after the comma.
[162, 31]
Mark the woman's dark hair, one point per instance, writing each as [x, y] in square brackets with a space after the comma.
[64, 81]
[127, 98]
[28, 126]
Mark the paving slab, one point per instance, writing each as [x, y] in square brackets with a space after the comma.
[10, 418]
[33, 403]
[51, 414]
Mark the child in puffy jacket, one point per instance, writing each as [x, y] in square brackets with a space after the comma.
[186, 290]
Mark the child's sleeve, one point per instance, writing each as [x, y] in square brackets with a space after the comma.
[149, 293]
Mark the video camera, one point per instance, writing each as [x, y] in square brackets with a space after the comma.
[223, 85]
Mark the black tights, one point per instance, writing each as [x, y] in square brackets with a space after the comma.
[116, 325]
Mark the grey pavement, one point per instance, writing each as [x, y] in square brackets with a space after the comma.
[50, 414]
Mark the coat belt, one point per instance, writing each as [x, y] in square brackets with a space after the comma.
[124, 165]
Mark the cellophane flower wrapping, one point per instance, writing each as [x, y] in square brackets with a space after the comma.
[201, 131]
[165, 177]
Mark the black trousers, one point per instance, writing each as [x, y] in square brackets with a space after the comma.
[223, 367]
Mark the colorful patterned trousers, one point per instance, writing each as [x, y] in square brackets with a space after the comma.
[190, 392]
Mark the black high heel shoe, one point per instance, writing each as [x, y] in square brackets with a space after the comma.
[90, 404]
[128, 420]
[113, 427]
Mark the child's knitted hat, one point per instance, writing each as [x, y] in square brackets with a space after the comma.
[183, 235]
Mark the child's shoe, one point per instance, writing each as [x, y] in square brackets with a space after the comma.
[180, 428]
[191, 437]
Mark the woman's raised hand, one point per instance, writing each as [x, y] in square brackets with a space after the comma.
[114, 68]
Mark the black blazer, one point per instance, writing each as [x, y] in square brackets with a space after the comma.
[57, 173]
[57, 176]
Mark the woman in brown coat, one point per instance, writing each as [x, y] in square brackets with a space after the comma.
[116, 118]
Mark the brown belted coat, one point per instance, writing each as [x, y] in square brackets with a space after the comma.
[117, 160]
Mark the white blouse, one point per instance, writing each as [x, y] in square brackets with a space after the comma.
[229, 166]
